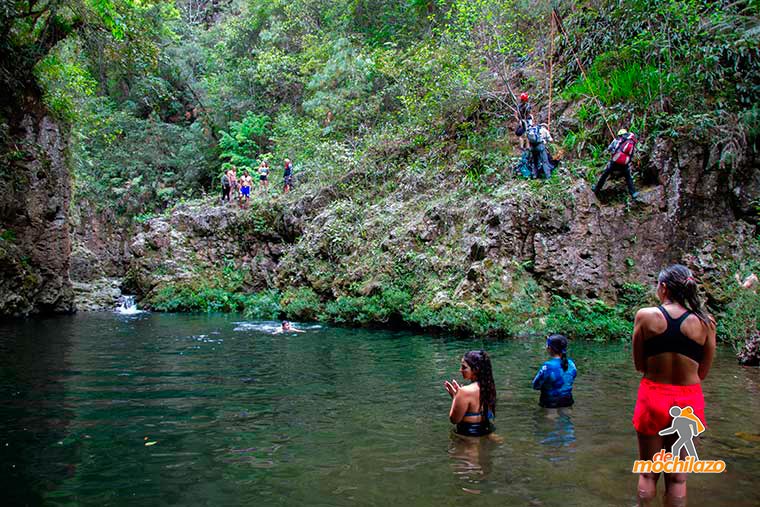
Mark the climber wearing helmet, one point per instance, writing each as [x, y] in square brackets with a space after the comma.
[523, 116]
[622, 154]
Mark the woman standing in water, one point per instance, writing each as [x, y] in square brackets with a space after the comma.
[473, 406]
[556, 376]
[673, 346]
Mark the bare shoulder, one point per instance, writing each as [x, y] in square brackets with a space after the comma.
[648, 314]
[697, 329]
[470, 389]
[650, 321]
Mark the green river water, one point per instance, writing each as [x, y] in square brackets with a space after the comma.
[330, 417]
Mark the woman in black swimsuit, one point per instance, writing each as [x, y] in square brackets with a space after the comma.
[673, 347]
[473, 406]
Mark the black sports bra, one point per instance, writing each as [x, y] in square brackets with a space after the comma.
[673, 340]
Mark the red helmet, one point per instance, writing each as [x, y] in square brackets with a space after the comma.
[524, 97]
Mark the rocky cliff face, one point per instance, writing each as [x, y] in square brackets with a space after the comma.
[35, 195]
[461, 246]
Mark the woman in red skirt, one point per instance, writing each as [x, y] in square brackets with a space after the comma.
[673, 346]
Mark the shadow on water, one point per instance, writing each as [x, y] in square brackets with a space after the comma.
[33, 454]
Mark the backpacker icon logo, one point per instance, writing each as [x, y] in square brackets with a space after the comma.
[686, 425]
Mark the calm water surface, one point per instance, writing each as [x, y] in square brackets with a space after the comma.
[330, 417]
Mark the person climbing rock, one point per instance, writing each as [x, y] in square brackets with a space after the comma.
[622, 149]
[540, 161]
[524, 119]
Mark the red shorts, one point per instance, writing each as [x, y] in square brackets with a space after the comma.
[652, 412]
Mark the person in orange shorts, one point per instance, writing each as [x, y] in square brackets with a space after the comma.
[673, 347]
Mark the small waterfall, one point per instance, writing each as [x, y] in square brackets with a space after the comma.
[127, 306]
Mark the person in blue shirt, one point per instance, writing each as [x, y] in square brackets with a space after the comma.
[556, 376]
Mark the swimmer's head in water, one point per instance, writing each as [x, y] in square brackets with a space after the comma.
[479, 363]
[285, 324]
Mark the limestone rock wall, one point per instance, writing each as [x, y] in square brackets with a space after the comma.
[460, 245]
[35, 198]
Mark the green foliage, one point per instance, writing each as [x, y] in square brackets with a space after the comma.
[739, 318]
[245, 139]
[195, 298]
[371, 98]
[613, 84]
[682, 48]
[463, 319]
[301, 303]
[344, 87]
[434, 82]
[632, 297]
[587, 319]
[216, 291]
[136, 166]
[7, 235]
[750, 119]
[263, 305]
[392, 304]
[67, 83]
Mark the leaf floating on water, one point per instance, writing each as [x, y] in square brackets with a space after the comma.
[749, 437]
[148, 444]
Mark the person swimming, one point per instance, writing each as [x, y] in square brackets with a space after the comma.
[288, 328]
[556, 376]
[473, 406]
[673, 348]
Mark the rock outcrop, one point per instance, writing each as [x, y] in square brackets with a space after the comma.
[459, 245]
[35, 198]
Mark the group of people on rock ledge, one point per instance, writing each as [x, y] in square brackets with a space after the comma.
[673, 349]
[536, 161]
[237, 184]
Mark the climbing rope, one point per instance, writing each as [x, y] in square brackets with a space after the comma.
[551, 61]
[558, 21]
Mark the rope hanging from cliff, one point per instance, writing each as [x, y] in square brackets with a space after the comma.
[558, 21]
[551, 61]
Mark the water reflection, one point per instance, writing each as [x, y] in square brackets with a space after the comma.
[472, 459]
[555, 432]
[338, 417]
[35, 453]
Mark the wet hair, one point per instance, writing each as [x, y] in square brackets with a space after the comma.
[558, 344]
[480, 364]
[285, 322]
[682, 288]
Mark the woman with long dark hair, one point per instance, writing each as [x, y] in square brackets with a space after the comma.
[474, 405]
[673, 347]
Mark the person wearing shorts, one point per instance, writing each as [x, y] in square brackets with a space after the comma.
[245, 188]
[673, 347]
[264, 176]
